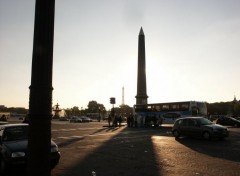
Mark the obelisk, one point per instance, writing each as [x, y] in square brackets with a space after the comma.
[141, 97]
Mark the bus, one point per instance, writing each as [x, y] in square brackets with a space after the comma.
[166, 113]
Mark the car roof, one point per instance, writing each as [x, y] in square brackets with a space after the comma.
[13, 125]
[190, 118]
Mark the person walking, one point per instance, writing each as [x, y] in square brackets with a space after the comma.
[131, 121]
[109, 120]
[128, 120]
[119, 120]
[135, 121]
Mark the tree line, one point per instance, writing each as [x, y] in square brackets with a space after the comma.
[231, 108]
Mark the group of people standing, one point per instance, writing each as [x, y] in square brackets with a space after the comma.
[135, 121]
[116, 120]
[131, 121]
[3, 118]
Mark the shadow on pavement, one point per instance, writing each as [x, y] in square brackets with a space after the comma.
[228, 148]
[69, 142]
[129, 152]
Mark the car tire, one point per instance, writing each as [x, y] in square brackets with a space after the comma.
[206, 135]
[176, 134]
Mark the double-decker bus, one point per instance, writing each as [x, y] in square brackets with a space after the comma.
[166, 113]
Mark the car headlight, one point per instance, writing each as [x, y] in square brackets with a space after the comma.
[54, 149]
[18, 154]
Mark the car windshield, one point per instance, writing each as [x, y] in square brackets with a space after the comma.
[15, 133]
[204, 121]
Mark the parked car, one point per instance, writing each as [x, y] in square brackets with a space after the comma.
[228, 121]
[86, 119]
[75, 119]
[215, 117]
[63, 119]
[198, 127]
[13, 147]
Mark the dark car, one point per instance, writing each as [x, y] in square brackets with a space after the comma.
[63, 119]
[198, 127]
[75, 119]
[13, 147]
[85, 119]
[228, 121]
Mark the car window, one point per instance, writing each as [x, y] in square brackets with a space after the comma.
[15, 133]
[179, 122]
[184, 123]
[192, 122]
[204, 121]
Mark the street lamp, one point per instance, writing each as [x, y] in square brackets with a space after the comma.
[40, 98]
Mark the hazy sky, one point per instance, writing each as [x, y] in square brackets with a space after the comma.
[192, 50]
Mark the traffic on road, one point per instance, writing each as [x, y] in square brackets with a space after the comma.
[88, 148]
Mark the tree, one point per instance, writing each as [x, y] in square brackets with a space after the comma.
[74, 111]
[94, 107]
[236, 109]
[231, 108]
[123, 110]
[221, 108]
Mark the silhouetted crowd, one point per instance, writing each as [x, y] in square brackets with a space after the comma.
[115, 120]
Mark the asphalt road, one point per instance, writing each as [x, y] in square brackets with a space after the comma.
[93, 148]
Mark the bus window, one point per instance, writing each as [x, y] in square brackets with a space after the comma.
[149, 107]
[158, 107]
[184, 107]
[165, 107]
[153, 108]
[175, 107]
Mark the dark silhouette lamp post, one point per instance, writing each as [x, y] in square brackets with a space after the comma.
[40, 100]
